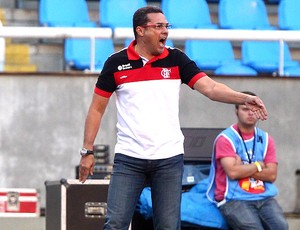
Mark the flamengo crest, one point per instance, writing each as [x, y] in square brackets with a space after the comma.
[165, 73]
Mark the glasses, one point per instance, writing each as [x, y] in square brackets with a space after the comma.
[159, 26]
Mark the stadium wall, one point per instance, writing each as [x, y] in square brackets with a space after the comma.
[42, 118]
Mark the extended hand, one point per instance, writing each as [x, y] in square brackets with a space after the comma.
[257, 107]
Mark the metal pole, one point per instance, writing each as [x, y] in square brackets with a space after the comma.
[92, 61]
[281, 58]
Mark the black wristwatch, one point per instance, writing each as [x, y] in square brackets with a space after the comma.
[84, 152]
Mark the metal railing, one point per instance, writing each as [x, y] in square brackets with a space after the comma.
[59, 32]
[175, 34]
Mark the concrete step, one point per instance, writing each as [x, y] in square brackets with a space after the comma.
[48, 57]
[2, 16]
[15, 51]
[17, 58]
[17, 48]
[7, 3]
[20, 17]
[12, 68]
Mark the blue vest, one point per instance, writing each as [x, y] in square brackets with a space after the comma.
[233, 190]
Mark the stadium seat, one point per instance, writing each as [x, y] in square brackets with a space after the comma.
[191, 14]
[289, 15]
[210, 55]
[243, 14]
[118, 13]
[263, 56]
[292, 71]
[77, 53]
[235, 69]
[65, 13]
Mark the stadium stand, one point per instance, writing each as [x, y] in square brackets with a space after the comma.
[78, 53]
[110, 17]
[235, 69]
[64, 13]
[289, 15]
[94, 7]
[263, 56]
[216, 56]
[194, 14]
[14, 57]
[248, 14]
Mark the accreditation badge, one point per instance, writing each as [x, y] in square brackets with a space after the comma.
[252, 185]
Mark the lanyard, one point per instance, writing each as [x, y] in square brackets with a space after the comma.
[253, 146]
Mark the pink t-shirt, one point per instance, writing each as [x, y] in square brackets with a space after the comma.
[223, 148]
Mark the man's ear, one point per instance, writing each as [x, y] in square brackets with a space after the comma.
[139, 31]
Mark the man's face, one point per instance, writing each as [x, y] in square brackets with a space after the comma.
[155, 33]
[245, 116]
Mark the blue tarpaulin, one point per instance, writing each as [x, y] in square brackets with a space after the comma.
[196, 209]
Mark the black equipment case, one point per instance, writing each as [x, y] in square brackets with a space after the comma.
[71, 205]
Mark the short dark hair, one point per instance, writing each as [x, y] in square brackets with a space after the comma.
[140, 16]
[245, 92]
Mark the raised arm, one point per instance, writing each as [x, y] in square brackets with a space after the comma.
[220, 92]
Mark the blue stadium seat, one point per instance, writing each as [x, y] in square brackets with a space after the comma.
[235, 69]
[77, 52]
[191, 14]
[289, 15]
[210, 55]
[243, 14]
[263, 56]
[65, 13]
[292, 71]
[118, 13]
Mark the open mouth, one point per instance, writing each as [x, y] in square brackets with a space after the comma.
[163, 41]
